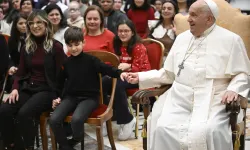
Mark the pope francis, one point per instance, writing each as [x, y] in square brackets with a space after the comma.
[208, 67]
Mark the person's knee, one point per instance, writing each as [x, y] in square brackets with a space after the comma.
[54, 121]
[76, 120]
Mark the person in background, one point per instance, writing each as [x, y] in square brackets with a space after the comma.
[183, 6]
[34, 86]
[75, 18]
[133, 58]
[4, 58]
[81, 94]
[163, 29]
[139, 13]
[95, 35]
[16, 4]
[59, 23]
[158, 7]
[118, 5]
[4, 27]
[83, 6]
[8, 11]
[27, 6]
[62, 6]
[15, 44]
[111, 17]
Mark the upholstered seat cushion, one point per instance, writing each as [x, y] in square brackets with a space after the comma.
[130, 92]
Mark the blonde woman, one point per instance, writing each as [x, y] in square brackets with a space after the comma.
[34, 86]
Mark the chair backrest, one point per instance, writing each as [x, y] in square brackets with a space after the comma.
[155, 51]
[6, 36]
[113, 60]
[229, 18]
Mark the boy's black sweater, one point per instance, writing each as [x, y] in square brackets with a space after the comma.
[82, 75]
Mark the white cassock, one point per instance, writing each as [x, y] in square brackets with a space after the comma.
[190, 115]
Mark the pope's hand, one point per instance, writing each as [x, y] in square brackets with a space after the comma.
[132, 78]
[229, 96]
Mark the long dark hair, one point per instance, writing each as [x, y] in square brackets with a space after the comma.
[63, 21]
[32, 3]
[161, 18]
[189, 3]
[145, 5]
[131, 43]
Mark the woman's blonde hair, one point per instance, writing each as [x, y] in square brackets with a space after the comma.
[31, 45]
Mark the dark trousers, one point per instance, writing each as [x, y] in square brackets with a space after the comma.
[18, 118]
[123, 115]
[82, 108]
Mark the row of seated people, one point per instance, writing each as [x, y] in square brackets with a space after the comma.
[141, 14]
[34, 85]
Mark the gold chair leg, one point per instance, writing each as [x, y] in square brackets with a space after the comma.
[53, 140]
[110, 134]
[43, 132]
[99, 137]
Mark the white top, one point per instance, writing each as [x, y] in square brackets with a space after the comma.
[160, 31]
[59, 36]
[4, 27]
[61, 5]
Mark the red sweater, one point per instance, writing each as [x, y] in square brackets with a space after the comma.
[103, 42]
[139, 59]
[140, 19]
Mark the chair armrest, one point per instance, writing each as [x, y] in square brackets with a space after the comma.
[141, 96]
[235, 106]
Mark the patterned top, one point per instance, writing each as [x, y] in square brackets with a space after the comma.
[139, 60]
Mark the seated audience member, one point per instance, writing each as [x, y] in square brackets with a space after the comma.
[4, 58]
[59, 23]
[95, 35]
[16, 4]
[183, 6]
[58, 3]
[16, 43]
[111, 17]
[133, 58]
[8, 11]
[206, 74]
[26, 6]
[163, 29]
[139, 13]
[158, 7]
[34, 86]
[81, 94]
[4, 27]
[75, 18]
[83, 7]
[118, 5]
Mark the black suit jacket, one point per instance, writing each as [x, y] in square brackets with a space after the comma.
[4, 57]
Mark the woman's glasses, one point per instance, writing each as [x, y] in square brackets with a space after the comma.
[38, 23]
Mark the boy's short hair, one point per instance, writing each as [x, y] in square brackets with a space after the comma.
[73, 34]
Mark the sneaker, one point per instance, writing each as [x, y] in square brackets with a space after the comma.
[104, 129]
[126, 130]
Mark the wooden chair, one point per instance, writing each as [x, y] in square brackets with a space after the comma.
[102, 114]
[155, 50]
[3, 87]
[233, 20]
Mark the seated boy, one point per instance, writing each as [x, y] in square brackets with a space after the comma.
[81, 92]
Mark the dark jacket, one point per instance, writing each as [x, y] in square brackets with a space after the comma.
[52, 65]
[4, 57]
[114, 18]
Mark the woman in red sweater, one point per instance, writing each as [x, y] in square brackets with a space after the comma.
[140, 12]
[133, 58]
[95, 36]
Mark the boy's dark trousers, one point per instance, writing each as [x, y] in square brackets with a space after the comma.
[82, 108]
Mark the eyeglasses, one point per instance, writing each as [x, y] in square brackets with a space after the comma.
[124, 31]
[38, 23]
[72, 10]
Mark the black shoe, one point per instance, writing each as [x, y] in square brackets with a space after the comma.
[73, 142]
